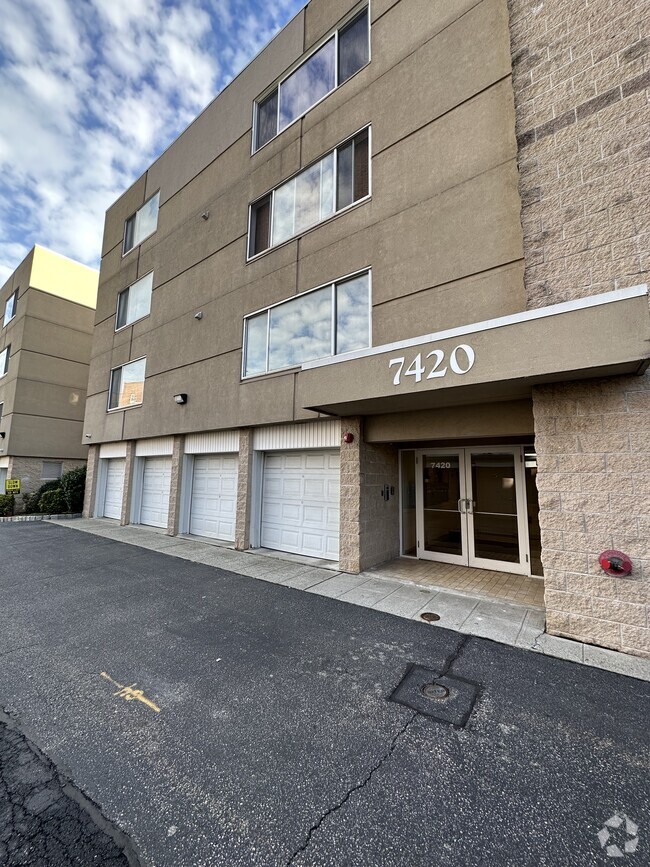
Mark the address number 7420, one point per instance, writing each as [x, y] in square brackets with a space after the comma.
[461, 361]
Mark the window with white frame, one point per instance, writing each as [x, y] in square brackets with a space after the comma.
[51, 470]
[328, 320]
[335, 182]
[127, 385]
[344, 53]
[4, 360]
[10, 308]
[134, 302]
[141, 224]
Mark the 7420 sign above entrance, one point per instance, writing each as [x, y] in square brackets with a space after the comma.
[461, 361]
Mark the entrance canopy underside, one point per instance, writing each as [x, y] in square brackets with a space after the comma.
[497, 360]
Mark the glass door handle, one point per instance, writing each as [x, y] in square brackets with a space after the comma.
[470, 506]
[461, 506]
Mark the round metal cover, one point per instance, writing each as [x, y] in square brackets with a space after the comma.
[429, 616]
[435, 690]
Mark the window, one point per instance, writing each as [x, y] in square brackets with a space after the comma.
[335, 182]
[329, 320]
[10, 308]
[127, 385]
[135, 302]
[52, 470]
[337, 60]
[142, 224]
[4, 360]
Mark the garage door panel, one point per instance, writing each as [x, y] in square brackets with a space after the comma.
[114, 488]
[300, 503]
[213, 504]
[156, 482]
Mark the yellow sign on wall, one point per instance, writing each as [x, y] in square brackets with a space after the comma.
[12, 486]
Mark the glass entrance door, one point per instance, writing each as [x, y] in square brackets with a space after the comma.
[471, 507]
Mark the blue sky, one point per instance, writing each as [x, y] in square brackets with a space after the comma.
[91, 91]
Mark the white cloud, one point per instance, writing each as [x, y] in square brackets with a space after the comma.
[92, 91]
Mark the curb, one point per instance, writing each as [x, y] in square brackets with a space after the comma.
[24, 518]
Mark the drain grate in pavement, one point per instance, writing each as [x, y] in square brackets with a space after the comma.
[442, 697]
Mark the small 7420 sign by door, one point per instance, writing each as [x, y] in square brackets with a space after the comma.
[461, 361]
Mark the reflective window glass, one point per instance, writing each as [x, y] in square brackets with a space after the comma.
[267, 119]
[352, 314]
[353, 47]
[301, 330]
[309, 83]
[127, 385]
[256, 328]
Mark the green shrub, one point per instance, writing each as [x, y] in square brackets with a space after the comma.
[52, 502]
[73, 484]
[7, 503]
[31, 501]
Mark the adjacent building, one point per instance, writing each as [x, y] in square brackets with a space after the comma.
[48, 309]
[385, 297]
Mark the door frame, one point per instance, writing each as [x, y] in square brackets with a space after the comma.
[468, 557]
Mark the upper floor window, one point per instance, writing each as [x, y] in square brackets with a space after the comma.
[141, 224]
[329, 320]
[335, 182]
[10, 308]
[4, 360]
[127, 385]
[336, 60]
[134, 302]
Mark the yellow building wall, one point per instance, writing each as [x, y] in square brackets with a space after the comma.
[58, 275]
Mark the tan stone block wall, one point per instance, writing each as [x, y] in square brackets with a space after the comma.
[594, 488]
[244, 477]
[30, 471]
[127, 490]
[369, 531]
[581, 75]
[90, 494]
[176, 484]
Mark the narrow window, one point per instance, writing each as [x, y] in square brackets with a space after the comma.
[141, 224]
[135, 302]
[4, 360]
[260, 228]
[10, 308]
[353, 47]
[267, 119]
[126, 386]
[353, 170]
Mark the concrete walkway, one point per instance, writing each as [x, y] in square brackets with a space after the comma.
[508, 623]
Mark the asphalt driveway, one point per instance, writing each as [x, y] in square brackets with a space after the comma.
[219, 719]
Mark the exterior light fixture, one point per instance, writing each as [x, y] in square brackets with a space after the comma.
[88, 436]
[180, 399]
[348, 437]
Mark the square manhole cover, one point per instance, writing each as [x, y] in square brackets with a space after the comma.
[444, 698]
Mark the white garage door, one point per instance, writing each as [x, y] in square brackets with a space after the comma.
[214, 497]
[155, 491]
[300, 503]
[114, 488]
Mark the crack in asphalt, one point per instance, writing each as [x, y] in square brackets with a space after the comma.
[352, 790]
[44, 819]
[455, 656]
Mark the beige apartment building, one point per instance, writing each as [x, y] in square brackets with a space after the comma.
[48, 309]
[385, 297]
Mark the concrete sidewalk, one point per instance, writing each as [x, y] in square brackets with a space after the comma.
[508, 623]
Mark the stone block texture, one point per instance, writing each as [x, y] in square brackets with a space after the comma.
[581, 76]
[92, 471]
[244, 477]
[129, 478]
[175, 491]
[369, 528]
